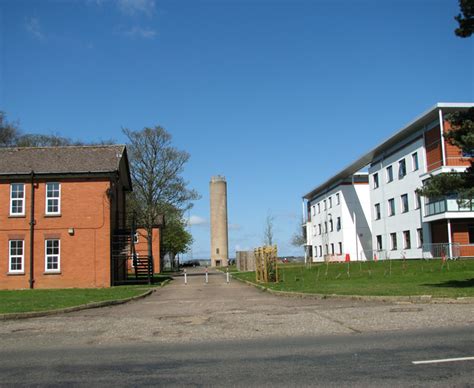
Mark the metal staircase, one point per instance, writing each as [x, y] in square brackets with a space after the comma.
[127, 266]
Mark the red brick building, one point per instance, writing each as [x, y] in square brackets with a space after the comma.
[61, 211]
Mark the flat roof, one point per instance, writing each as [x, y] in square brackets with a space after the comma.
[395, 138]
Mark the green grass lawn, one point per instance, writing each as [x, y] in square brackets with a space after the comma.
[412, 277]
[20, 301]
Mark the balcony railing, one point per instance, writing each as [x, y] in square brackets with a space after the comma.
[449, 204]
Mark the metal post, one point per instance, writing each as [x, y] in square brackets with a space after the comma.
[32, 230]
[207, 276]
[185, 277]
[450, 242]
[227, 276]
[357, 236]
[441, 128]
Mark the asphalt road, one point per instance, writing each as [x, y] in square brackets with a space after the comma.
[383, 359]
[220, 334]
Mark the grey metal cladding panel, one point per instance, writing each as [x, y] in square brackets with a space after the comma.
[57, 160]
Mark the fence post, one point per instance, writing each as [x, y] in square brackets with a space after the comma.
[227, 276]
[207, 276]
[185, 277]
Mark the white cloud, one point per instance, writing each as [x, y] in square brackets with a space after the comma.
[136, 7]
[139, 32]
[97, 2]
[33, 26]
[234, 227]
[196, 220]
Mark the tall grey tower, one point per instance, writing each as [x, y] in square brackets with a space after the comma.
[219, 234]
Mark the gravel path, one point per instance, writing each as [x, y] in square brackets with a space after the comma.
[198, 312]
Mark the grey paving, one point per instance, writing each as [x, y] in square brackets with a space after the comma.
[199, 312]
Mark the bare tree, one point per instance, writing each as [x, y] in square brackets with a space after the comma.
[12, 136]
[268, 232]
[158, 187]
[299, 239]
[9, 132]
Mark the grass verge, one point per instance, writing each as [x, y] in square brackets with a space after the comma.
[21, 301]
[384, 278]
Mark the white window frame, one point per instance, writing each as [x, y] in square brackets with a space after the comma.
[402, 162]
[332, 249]
[402, 208]
[319, 208]
[419, 238]
[405, 234]
[378, 239]
[417, 200]
[376, 182]
[393, 244]
[330, 202]
[391, 209]
[338, 223]
[415, 162]
[338, 199]
[17, 199]
[47, 256]
[340, 247]
[389, 176]
[22, 256]
[377, 211]
[52, 198]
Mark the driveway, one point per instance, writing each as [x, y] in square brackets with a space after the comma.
[200, 312]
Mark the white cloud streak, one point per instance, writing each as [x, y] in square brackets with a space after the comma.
[136, 7]
[140, 32]
[196, 220]
[33, 26]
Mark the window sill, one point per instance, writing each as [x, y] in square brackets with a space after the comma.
[17, 216]
[52, 273]
[52, 215]
[15, 274]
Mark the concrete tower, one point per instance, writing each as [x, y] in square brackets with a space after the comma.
[219, 234]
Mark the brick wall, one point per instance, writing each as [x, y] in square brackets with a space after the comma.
[141, 246]
[84, 254]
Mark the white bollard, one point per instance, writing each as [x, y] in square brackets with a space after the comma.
[227, 276]
[207, 276]
[185, 277]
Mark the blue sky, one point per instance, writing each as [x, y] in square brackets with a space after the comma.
[275, 95]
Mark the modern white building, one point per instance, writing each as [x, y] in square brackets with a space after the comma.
[403, 224]
[396, 209]
[338, 219]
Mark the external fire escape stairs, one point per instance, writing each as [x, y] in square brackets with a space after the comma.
[128, 266]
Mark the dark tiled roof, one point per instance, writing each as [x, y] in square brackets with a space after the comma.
[61, 160]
